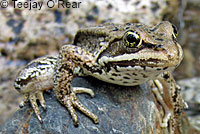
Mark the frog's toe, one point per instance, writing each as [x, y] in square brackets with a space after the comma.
[68, 104]
[165, 119]
[41, 99]
[76, 103]
[71, 102]
[25, 101]
[32, 99]
[78, 90]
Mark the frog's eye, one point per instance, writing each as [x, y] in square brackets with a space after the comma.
[132, 39]
[175, 32]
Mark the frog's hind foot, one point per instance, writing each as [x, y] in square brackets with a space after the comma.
[70, 101]
[32, 97]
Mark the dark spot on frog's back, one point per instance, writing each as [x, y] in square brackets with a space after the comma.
[159, 39]
[161, 34]
[144, 76]
[125, 82]
[112, 79]
[149, 32]
[134, 74]
[114, 74]
[166, 76]
[126, 77]
[138, 25]
[165, 68]
[115, 29]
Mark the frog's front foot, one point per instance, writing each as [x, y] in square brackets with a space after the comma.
[32, 97]
[71, 101]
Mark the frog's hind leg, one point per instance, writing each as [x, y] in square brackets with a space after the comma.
[69, 58]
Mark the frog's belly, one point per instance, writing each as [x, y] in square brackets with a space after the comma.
[129, 76]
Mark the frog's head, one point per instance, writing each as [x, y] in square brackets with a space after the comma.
[140, 45]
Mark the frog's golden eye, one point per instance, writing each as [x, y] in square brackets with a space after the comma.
[132, 39]
[175, 32]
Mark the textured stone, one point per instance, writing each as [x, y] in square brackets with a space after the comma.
[120, 110]
[191, 94]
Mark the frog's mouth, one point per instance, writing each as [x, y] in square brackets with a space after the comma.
[143, 58]
[142, 62]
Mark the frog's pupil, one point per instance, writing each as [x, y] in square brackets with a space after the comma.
[131, 38]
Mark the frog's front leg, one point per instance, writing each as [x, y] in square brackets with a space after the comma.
[156, 87]
[168, 94]
[70, 57]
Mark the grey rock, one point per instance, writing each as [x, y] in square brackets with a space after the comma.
[191, 94]
[190, 91]
[121, 110]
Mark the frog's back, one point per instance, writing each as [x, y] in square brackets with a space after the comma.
[91, 38]
[94, 38]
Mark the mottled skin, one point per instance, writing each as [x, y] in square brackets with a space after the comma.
[126, 55]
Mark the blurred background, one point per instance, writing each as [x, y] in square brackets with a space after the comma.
[27, 34]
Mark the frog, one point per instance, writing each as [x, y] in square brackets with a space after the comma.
[123, 54]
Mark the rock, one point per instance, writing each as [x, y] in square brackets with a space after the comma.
[191, 94]
[121, 110]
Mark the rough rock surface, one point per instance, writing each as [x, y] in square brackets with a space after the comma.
[121, 110]
[191, 94]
